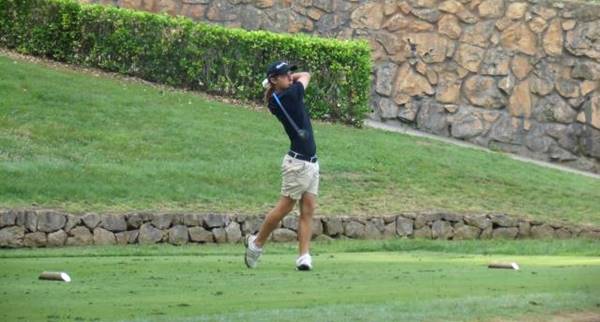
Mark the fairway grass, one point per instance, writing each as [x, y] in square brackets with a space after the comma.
[81, 142]
[210, 283]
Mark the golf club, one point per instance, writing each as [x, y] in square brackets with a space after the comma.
[301, 133]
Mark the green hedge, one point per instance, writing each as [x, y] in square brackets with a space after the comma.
[182, 53]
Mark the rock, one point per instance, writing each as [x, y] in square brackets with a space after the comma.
[290, 222]
[516, 10]
[553, 39]
[507, 130]
[584, 40]
[216, 220]
[543, 11]
[316, 227]
[542, 232]
[483, 91]
[466, 126]
[521, 67]
[127, 237]
[57, 238]
[104, 237]
[588, 70]
[221, 10]
[12, 236]
[389, 231]
[404, 226]
[31, 221]
[524, 229]
[7, 218]
[162, 221]
[553, 108]
[470, 57]
[200, 235]
[466, 232]
[332, 226]
[50, 221]
[323, 239]
[80, 236]
[408, 112]
[505, 233]
[536, 140]
[114, 223]
[411, 83]
[478, 34]
[519, 38]
[520, 102]
[37, 239]
[387, 108]
[495, 62]
[590, 234]
[149, 234]
[384, 78]
[192, 220]
[592, 110]
[486, 233]
[545, 77]
[538, 25]
[424, 232]
[430, 47]
[467, 16]
[491, 8]
[178, 235]
[354, 229]
[91, 220]
[591, 142]
[562, 233]
[368, 15]
[567, 87]
[441, 229]
[568, 24]
[233, 232]
[448, 90]
[426, 219]
[427, 14]
[372, 232]
[432, 117]
[134, 220]
[397, 22]
[449, 26]
[451, 6]
[503, 220]
[284, 235]
[479, 221]
[220, 235]
[72, 221]
[251, 225]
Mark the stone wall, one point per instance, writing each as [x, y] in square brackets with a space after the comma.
[517, 76]
[47, 228]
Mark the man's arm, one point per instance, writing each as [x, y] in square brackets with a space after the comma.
[302, 77]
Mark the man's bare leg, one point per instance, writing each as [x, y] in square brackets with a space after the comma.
[283, 207]
[307, 209]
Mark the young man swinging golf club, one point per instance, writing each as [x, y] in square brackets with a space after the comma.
[300, 169]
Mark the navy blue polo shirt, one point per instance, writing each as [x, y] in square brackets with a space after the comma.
[292, 100]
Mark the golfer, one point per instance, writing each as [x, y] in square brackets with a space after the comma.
[299, 169]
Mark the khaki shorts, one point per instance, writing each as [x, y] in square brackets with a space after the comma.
[298, 177]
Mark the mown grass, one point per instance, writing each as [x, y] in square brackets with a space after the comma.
[78, 142]
[210, 283]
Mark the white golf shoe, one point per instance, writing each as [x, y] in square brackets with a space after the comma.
[252, 252]
[304, 262]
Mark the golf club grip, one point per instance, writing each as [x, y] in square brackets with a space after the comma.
[288, 116]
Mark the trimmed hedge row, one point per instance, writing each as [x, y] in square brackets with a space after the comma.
[182, 53]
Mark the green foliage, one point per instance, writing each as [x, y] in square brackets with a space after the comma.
[179, 52]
